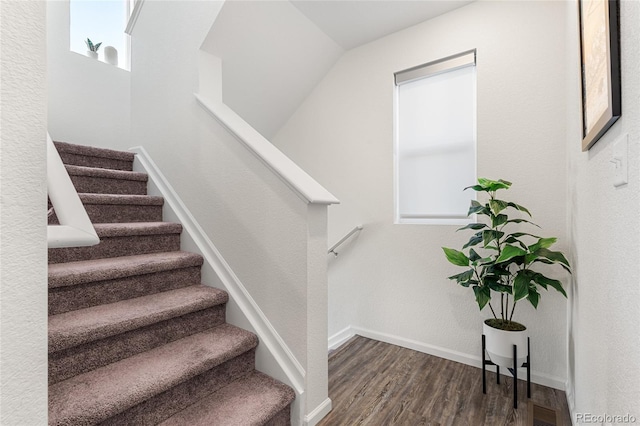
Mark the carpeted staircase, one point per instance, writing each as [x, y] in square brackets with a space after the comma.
[134, 337]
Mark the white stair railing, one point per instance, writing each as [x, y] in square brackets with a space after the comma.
[282, 166]
[75, 229]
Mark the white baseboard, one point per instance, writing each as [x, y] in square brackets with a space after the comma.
[318, 413]
[475, 361]
[340, 338]
[569, 393]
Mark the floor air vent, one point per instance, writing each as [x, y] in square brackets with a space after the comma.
[540, 415]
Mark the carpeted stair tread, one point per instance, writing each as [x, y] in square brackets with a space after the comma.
[134, 338]
[98, 172]
[80, 155]
[97, 322]
[121, 199]
[92, 355]
[252, 400]
[74, 273]
[102, 393]
[114, 208]
[92, 151]
[136, 228]
[160, 407]
[123, 239]
[100, 180]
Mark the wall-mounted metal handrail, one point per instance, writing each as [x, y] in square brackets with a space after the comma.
[333, 248]
[75, 229]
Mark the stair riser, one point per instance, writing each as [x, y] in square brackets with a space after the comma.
[283, 418]
[70, 298]
[117, 246]
[119, 213]
[99, 185]
[80, 359]
[166, 404]
[101, 162]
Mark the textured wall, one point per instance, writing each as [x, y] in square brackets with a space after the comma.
[218, 179]
[23, 195]
[259, 225]
[89, 101]
[604, 342]
[392, 278]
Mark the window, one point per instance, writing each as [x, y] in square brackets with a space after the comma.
[101, 22]
[435, 141]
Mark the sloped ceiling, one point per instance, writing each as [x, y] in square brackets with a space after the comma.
[272, 57]
[352, 23]
[274, 53]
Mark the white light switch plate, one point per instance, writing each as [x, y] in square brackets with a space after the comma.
[620, 160]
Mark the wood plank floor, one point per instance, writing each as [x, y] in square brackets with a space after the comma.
[375, 383]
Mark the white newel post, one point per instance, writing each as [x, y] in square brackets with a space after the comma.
[317, 383]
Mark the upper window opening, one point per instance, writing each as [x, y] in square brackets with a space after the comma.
[435, 140]
[101, 21]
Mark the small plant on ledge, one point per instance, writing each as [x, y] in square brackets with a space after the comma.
[92, 51]
[498, 260]
[92, 47]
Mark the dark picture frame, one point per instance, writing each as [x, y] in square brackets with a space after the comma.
[600, 54]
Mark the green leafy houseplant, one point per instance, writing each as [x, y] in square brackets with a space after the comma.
[92, 47]
[498, 260]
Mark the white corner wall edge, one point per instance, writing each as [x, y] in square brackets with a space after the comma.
[75, 229]
[347, 333]
[289, 172]
[266, 332]
[569, 393]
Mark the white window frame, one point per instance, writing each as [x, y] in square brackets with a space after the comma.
[451, 63]
[124, 57]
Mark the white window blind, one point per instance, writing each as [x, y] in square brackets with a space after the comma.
[435, 141]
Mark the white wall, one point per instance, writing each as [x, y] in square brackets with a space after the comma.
[23, 234]
[267, 234]
[89, 100]
[272, 57]
[604, 343]
[392, 280]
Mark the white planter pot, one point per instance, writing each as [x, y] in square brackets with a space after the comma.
[499, 346]
[91, 54]
[111, 55]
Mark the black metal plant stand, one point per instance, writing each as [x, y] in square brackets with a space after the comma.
[514, 370]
